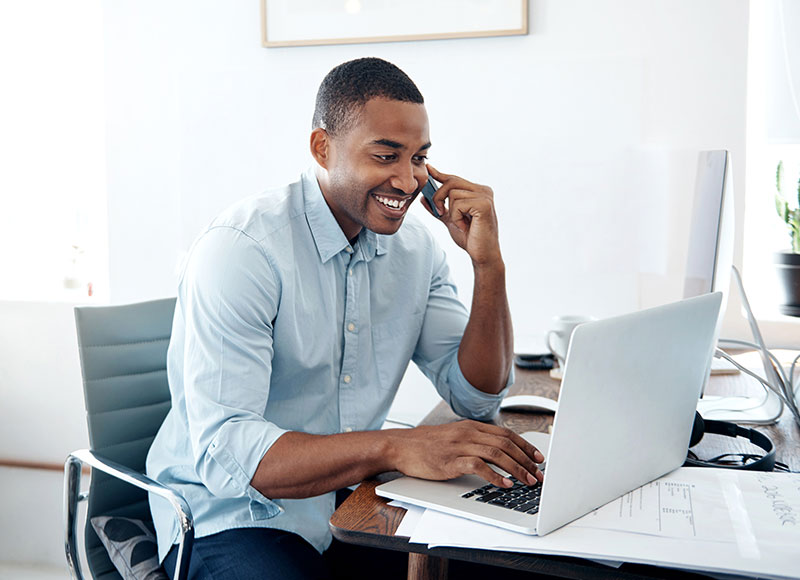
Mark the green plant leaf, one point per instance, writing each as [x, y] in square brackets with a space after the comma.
[782, 207]
[798, 192]
[790, 216]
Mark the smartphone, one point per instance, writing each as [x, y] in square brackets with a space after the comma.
[428, 191]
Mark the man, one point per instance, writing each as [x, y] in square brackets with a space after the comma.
[297, 314]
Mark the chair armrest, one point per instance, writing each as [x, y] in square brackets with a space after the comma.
[72, 471]
[182, 510]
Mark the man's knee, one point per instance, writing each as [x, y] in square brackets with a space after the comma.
[257, 553]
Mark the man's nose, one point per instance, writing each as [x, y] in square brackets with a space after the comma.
[404, 180]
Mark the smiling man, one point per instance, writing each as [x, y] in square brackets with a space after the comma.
[298, 312]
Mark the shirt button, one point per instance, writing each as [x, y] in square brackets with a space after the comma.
[347, 378]
[351, 327]
[348, 429]
[350, 272]
[349, 249]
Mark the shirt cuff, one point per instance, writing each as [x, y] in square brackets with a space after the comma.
[469, 401]
[253, 440]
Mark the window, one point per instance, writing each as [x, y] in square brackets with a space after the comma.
[764, 231]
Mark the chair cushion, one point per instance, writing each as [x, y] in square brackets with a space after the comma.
[131, 546]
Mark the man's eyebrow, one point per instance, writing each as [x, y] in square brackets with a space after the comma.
[388, 143]
[395, 144]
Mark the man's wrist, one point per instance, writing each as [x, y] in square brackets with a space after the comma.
[392, 449]
[493, 267]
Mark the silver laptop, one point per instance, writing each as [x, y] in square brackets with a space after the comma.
[625, 413]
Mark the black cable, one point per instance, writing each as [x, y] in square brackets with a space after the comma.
[728, 459]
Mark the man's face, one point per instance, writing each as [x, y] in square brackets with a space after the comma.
[376, 167]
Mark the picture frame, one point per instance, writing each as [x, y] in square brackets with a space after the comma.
[321, 22]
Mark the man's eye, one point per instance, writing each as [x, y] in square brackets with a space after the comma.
[420, 158]
[386, 157]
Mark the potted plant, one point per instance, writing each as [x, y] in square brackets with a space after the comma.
[788, 261]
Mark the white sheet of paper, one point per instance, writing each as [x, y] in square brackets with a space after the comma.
[410, 519]
[763, 509]
[666, 508]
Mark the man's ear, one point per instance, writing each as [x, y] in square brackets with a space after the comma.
[321, 147]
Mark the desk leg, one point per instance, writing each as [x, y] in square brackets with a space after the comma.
[422, 567]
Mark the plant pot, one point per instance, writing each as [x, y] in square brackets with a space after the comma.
[787, 265]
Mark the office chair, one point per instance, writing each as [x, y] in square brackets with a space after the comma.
[123, 355]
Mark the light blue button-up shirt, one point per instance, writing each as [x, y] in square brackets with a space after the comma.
[282, 325]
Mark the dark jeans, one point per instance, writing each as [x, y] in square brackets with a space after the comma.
[266, 554]
[257, 553]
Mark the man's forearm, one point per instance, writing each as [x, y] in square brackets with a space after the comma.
[300, 465]
[303, 465]
[487, 348]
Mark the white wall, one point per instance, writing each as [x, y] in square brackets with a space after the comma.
[586, 129]
[30, 519]
[42, 419]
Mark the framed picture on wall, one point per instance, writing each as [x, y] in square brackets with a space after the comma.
[315, 22]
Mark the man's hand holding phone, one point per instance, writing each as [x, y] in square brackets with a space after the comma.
[427, 192]
[469, 216]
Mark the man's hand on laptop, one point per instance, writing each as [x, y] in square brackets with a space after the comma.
[467, 447]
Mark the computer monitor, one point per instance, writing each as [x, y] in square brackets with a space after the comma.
[709, 265]
[711, 238]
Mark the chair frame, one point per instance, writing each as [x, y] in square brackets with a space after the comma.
[72, 497]
[100, 460]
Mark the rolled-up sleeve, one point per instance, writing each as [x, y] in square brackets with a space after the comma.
[230, 297]
[469, 401]
[436, 353]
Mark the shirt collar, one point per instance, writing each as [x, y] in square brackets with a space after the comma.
[328, 236]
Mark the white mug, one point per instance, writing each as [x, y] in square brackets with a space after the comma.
[559, 336]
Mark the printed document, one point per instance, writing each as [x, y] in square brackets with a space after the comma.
[715, 520]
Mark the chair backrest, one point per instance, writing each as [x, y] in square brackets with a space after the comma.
[123, 353]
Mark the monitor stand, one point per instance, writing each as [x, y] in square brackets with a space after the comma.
[741, 409]
[763, 409]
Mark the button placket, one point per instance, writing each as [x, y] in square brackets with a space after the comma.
[349, 372]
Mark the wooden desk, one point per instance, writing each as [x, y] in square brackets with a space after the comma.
[366, 519]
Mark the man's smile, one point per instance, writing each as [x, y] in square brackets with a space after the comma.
[392, 206]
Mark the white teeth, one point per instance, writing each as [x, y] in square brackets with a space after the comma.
[394, 203]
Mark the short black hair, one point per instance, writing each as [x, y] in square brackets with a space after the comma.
[351, 84]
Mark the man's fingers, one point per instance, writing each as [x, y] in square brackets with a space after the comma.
[530, 454]
[436, 174]
[427, 205]
[497, 456]
[473, 192]
[454, 185]
[479, 467]
[530, 450]
[518, 455]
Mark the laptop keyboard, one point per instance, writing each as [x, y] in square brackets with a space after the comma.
[519, 497]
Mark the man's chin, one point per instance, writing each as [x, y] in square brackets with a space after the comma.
[386, 229]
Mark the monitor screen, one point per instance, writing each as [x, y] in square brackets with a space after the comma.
[710, 253]
[708, 269]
